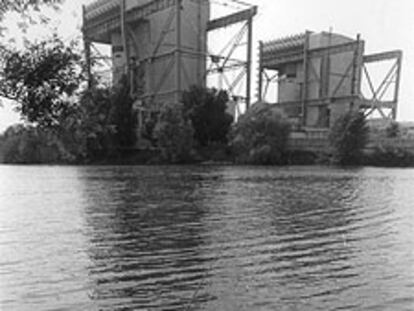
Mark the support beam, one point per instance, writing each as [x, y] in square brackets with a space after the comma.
[223, 69]
[356, 69]
[178, 56]
[397, 54]
[334, 49]
[366, 104]
[232, 19]
[249, 61]
[124, 36]
[393, 75]
[87, 46]
[304, 94]
[199, 45]
[397, 86]
[320, 102]
[220, 65]
[260, 86]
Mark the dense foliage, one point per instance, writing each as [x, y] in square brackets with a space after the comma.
[390, 156]
[261, 136]
[206, 108]
[348, 137]
[100, 125]
[29, 12]
[393, 130]
[41, 80]
[28, 144]
[23, 5]
[174, 134]
[46, 83]
[122, 116]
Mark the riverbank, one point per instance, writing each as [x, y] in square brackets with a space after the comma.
[380, 157]
[313, 150]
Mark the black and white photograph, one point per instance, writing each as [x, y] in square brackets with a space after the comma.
[211, 155]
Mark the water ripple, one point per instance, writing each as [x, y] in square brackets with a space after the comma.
[207, 238]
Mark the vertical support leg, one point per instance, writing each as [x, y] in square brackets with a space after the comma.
[249, 61]
[260, 86]
[87, 46]
[199, 45]
[124, 36]
[178, 59]
[305, 78]
[397, 87]
[88, 61]
[355, 83]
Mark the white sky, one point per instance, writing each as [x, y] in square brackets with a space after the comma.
[383, 24]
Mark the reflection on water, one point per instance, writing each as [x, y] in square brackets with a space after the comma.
[206, 238]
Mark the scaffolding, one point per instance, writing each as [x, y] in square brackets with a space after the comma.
[319, 76]
[162, 46]
[226, 61]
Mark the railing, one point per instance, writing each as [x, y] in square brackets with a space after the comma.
[100, 7]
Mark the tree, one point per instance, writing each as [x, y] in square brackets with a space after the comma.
[392, 130]
[261, 136]
[90, 126]
[21, 6]
[29, 11]
[174, 134]
[122, 115]
[102, 122]
[206, 108]
[348, 137]
[41, 80]
[94, 129]
[29, 144]
[45, 81]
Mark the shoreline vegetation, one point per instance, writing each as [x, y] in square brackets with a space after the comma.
[260, 137]
[71, 117]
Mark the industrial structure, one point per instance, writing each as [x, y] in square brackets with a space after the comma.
[161, 47]
[319, 76]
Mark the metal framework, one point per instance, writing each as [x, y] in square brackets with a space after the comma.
[225, 61]
[296, 50]
[392, 79]
[118, 18]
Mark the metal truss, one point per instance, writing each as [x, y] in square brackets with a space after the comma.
[268, 79]
[376, 103]
[118, 18]
[225, 62]
[351, 77]
[306, 56]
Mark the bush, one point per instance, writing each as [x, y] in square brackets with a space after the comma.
[28, 144]
[392, 130]
[348, 137]
[206, 108]
[390, 157]
[101, 125]
[215, 153]
[261, 136]
[174, 134]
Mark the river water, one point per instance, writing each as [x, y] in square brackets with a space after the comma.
[206, 238]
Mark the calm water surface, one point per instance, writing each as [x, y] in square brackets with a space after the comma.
[206, 238]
